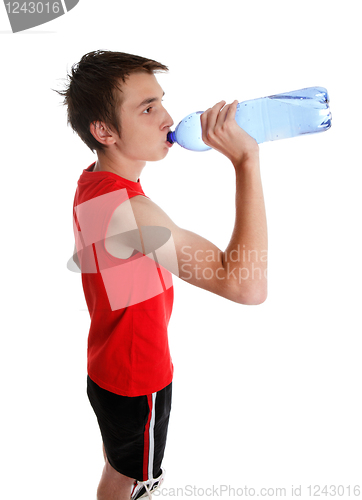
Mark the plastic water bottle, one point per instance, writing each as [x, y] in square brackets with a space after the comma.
[280, 116]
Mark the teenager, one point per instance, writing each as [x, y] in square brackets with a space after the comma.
[128, 248]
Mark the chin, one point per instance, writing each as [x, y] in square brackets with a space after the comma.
[158, 156]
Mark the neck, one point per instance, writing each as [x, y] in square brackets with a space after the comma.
[127, 170]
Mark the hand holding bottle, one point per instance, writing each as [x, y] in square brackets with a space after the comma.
[221, 132]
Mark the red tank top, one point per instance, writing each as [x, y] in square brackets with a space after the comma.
[129, 300]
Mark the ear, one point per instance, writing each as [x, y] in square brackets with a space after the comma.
[102, 133]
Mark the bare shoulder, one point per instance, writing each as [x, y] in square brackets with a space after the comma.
[140, 210]
[148, 213]
[138, 224]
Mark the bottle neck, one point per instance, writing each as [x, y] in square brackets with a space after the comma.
[171, 137]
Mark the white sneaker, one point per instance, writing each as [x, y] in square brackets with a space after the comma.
[146, 488]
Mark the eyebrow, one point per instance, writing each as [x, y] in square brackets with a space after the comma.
[149, 100]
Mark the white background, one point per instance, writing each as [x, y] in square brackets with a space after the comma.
[264, 396]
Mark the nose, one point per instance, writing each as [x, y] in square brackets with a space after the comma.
[167, 121]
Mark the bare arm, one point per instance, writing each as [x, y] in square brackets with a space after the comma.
[239, 272]
[246, 252]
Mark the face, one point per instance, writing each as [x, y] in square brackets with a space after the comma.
[144, 121]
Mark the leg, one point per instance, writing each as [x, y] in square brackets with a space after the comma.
[113, 485]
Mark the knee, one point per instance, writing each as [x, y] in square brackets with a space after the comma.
[114, 483]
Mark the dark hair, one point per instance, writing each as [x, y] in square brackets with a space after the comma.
[90, 94]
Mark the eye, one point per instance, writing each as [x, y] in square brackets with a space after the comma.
[147, 111]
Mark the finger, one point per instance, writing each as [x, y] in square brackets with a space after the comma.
[215, 114]
[203, 119]
[232, 110]
[215, 109]
[219, 105]
[209, 117]
[222, 115]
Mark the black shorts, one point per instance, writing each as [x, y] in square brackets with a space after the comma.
[134, 430]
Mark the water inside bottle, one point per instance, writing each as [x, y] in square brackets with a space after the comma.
[285, 115]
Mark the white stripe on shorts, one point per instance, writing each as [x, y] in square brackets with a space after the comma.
[152, 439]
